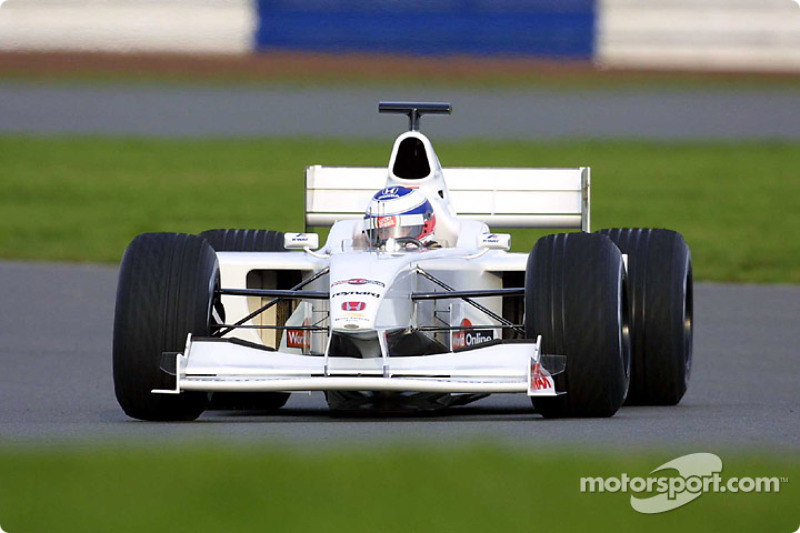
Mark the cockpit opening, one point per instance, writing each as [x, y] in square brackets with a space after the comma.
[411, 162]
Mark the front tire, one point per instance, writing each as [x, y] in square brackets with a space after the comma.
[575, 299]
[661, 300]
[165, 292]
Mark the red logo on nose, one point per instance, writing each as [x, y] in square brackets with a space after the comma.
[353, 306]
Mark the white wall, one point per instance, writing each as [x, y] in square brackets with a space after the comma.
[700, 34]
[202, 26]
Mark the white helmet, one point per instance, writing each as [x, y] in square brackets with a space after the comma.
[397, 213]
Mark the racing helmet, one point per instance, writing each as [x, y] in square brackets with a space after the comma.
[397, 212]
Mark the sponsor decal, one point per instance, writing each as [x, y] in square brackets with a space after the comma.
[458, 340]
[353, 314]
[295, 241]
[295, 338]
[470, 337]
[353, 306]
[359, 281]
[355, 293]
[351, 317]
[389, 193]
[299, 338]
[539, 381]
[301, 238]
[478, 336]
[387, 222]
[495, 241]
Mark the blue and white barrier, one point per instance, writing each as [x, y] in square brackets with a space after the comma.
[176, 26]
[682, 34]
[699, 34]
[544, 28]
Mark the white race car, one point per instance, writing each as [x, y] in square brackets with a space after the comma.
[412, 303]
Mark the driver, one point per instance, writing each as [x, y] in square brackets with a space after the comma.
[401, 217]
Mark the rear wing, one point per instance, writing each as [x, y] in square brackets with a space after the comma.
[500, 197]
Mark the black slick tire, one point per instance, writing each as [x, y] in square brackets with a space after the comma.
[575, 298]
[165, 292]
[661, 301]
[244, 240]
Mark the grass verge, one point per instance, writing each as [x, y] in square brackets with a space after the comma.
[465, 489]
[84, 199]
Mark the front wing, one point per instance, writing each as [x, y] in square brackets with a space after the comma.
[215, 364]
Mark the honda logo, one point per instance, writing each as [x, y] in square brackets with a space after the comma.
[353, 306]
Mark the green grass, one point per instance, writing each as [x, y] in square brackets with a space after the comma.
[84, 199]
[423, 489]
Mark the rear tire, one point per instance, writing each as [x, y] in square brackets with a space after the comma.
[246, 240]
[661, 301]
[165, 291]
[575, 298]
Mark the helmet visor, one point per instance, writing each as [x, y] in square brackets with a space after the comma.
[380, 229]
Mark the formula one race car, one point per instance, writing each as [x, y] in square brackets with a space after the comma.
[413, 303]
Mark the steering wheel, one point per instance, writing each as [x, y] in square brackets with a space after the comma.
[410, 240]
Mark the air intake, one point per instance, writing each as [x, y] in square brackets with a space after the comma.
[411, 162]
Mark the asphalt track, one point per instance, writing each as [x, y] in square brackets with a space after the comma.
[247, 111]
[56, 388]
[56, 320]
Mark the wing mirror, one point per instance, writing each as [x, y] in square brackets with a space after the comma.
[301, 241]
[494, 241]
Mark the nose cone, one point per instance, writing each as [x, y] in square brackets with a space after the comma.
[370, 291]
[354, 303]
